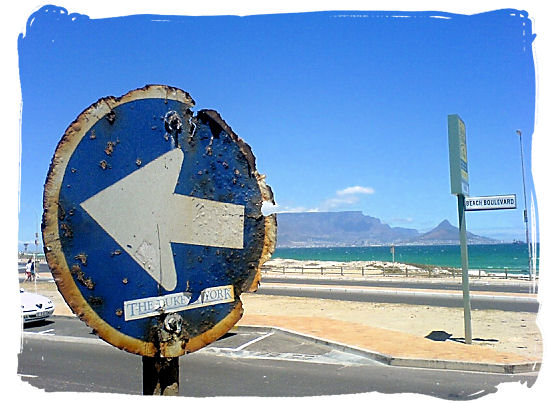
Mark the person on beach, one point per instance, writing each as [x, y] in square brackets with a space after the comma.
[33, 271]
[36, 265]
[28, 270]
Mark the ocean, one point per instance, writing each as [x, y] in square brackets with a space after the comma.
[491, 258]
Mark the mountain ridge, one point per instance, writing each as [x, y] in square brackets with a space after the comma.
[353, 228]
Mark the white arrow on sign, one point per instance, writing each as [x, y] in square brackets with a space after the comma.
[144, 215]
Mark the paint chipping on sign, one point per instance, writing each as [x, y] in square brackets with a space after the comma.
[147, 255]
[174, 212]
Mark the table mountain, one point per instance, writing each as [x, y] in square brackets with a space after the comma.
[353, 228]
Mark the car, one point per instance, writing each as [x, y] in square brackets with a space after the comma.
[35, 307]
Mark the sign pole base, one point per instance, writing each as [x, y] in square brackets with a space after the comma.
[160, 376]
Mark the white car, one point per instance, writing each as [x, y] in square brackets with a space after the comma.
[35, 307]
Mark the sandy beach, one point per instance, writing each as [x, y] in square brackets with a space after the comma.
[377, 268]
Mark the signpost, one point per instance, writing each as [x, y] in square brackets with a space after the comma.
[152, 226]
[458, 161]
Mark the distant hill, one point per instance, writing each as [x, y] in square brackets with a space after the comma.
[446, 233]
[325, 229]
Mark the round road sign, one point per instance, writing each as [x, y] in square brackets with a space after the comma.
[152, 222]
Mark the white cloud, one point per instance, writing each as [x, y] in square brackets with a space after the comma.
[344, 197]
[355, 190]
[401, 220]
[333, 203]
[268, 209]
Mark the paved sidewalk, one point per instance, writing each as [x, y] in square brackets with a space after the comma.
[397, 348]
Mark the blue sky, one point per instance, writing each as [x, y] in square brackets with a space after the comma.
[344, 110]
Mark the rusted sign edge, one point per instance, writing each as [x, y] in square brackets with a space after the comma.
[270, 222]
[50, 229]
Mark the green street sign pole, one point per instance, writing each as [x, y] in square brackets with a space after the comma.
[465, 277]
[458, 161]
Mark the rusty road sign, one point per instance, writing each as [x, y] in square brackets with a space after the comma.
[152, 222]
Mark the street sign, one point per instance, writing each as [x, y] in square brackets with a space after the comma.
[152, 222]
[458, 156]
[491, 202]
[458, 162]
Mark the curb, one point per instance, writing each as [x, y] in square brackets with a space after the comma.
[448, 295]
[503, 368]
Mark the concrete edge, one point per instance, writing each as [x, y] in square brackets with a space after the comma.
[449, 296]
[505, 368]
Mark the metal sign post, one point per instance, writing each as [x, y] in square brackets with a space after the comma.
[152, 226]
[525, 220]
[465, 277]
[160, 376]
[458, 161]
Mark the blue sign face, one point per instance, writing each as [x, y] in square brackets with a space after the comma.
[152, 224]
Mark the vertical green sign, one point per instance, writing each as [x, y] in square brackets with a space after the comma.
[458, 157]
[458, 160]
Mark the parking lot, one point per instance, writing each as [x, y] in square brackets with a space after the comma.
[242, 342]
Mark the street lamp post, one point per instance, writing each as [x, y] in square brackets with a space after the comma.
[525, 206]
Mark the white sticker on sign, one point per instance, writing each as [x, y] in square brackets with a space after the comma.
[153, 306]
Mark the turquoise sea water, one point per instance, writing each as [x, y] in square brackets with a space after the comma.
[491, 258]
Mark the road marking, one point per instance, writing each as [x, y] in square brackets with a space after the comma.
[49, 331]
[253, 341]
[331, 358]
[23, 375]
[144, 215]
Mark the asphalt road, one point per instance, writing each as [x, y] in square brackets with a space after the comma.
[477, 302]
[396, 283]
[241, 364]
